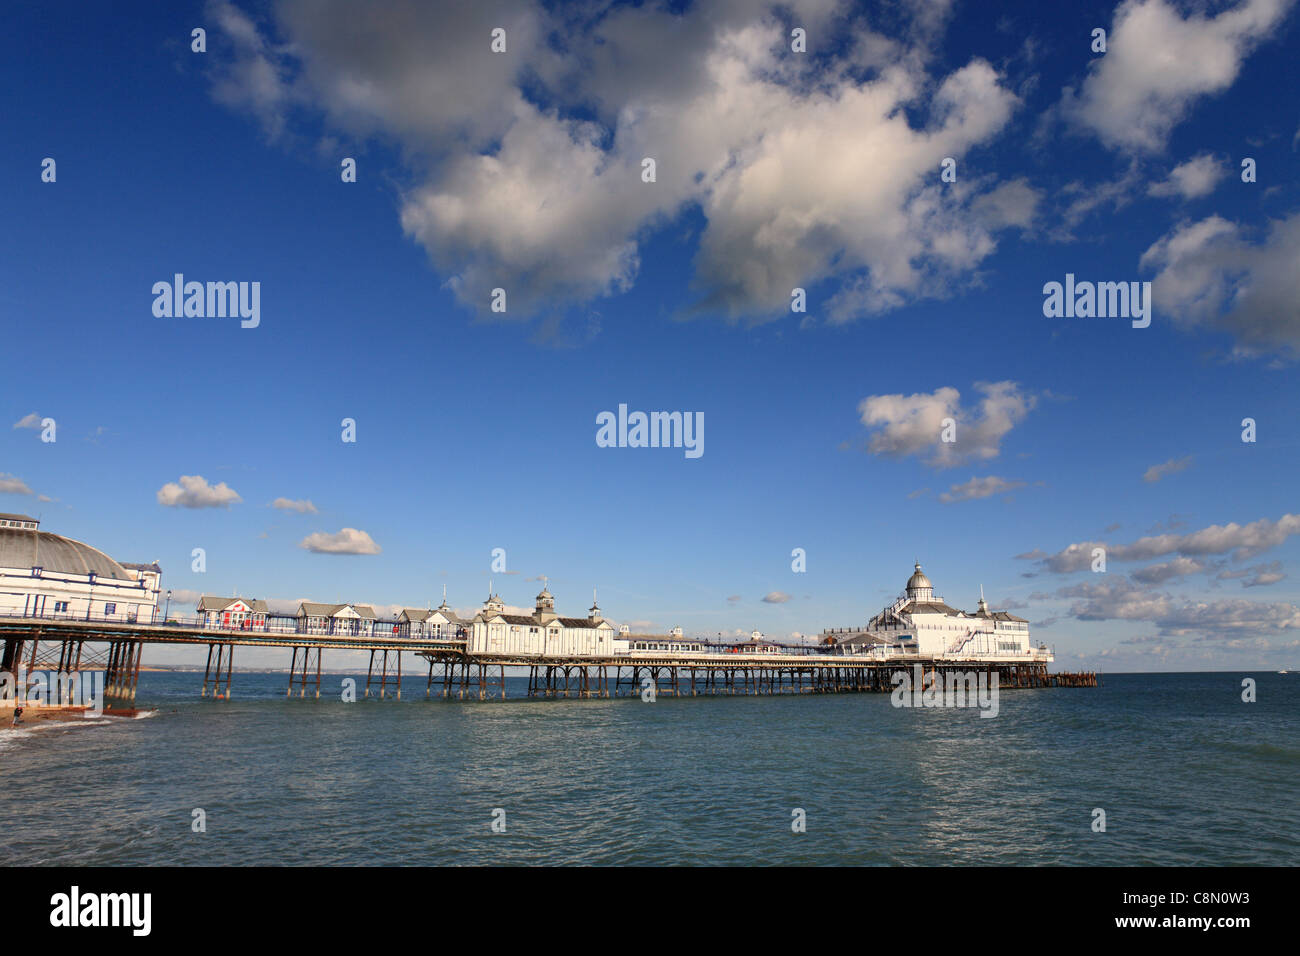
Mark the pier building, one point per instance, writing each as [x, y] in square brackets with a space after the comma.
[45, 574]
[437, 622]
[346, 620]
[247, 614]
[544, 632]
[920, 623]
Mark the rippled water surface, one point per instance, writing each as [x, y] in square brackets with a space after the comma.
[1186, 772]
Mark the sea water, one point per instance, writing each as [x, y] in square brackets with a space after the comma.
[1184, 770]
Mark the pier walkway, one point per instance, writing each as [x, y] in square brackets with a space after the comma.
[67, 646]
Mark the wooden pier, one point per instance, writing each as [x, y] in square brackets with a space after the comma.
[67, 646]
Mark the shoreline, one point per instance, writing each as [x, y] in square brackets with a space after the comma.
[45, 715]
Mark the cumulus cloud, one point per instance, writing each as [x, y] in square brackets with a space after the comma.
[775, 597]
[29, 421]
[1168, 570]
[1255, 576]
[1159, 64]
[1209, 273]
[1119, 599]
[524, 169]
[985, 487]
[1241, 541]
[913, 424]
[13, 485]
[181, 597]
[302, 506]
[193, 491]
[1170, 467]
[1193, 179]
[346, 541]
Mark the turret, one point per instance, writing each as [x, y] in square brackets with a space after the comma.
[545, 612]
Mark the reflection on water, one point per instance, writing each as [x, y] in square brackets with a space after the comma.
[1186, 773]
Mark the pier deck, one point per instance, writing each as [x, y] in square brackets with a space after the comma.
[68, 646]
[482, 677]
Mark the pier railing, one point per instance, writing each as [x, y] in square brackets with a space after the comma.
[281, 629]
[276, 626]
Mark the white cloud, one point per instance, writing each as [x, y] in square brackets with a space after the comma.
[1257, 575]
[302, 506]
[346, 541]
[13, 485]
[1170, 467]
[180, 598]
[775, 597]
[1118, 599]
[913, 424]
[256, 76]
[804, 167]
[1168, 570]
[193, 491]
[1158, 64]
[985, 487]
[1243, 541]
[1193, 179]
[29, 421]
[1210, 274]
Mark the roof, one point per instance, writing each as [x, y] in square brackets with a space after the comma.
[312, 609]
[1004, 616]
[153, 566]
[14, 517]
[28, 548]
[855, 639]
[210, 603]
[579, 622]
[519, 619]
[659, 637]
[415, 614]
[929, 607]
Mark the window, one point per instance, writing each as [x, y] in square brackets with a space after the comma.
[36, 572]
[60, 606]
[110, 608]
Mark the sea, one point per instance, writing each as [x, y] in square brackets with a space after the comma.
[1147, 769]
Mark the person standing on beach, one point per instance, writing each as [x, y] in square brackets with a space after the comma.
[18, 716]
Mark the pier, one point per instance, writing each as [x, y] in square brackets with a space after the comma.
[68, 646]
[698, 675]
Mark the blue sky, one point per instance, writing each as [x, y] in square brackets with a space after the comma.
[477, 431]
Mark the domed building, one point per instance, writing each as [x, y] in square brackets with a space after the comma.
[47, 575]
[920, 624]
